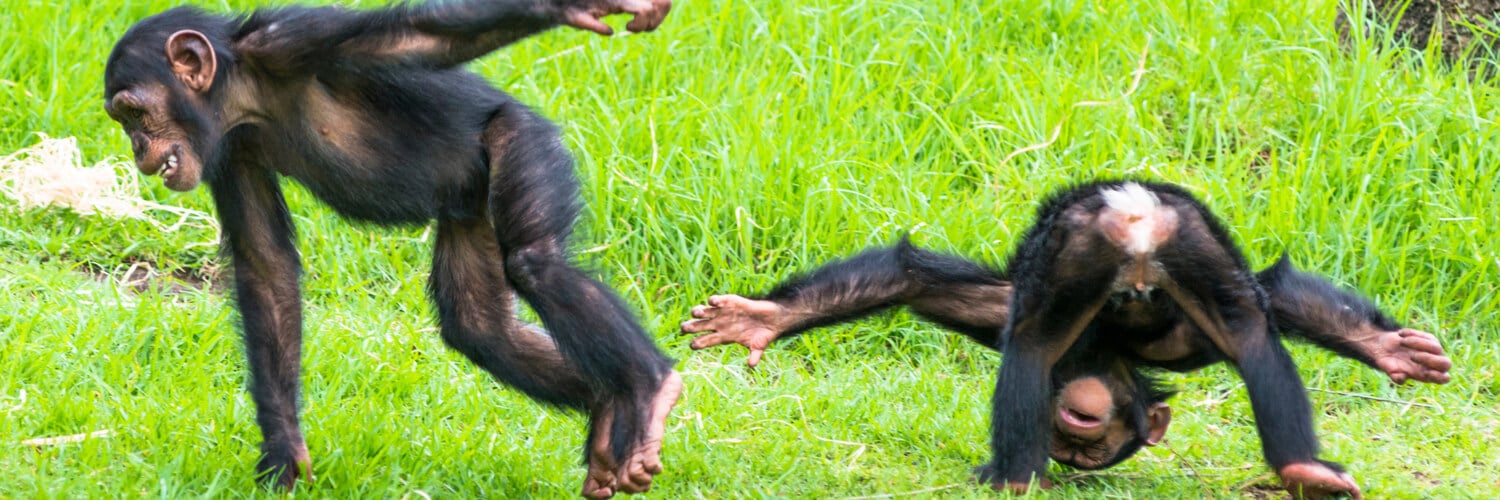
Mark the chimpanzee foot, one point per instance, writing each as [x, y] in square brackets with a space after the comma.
[605, 478]
[281, 465]
[1317, 480]
[600, 479]
[738, 320]
[645, 461]
[1409, 354]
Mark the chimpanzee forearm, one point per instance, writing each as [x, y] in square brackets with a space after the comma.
[952, 291]
[1309, 307]
[293, 39]
[257, 232]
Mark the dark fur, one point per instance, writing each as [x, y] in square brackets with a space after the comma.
[1052, 292]
[973, 299]
[430, 141]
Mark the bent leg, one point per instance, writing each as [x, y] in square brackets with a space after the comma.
[533, 203]
[477, 319]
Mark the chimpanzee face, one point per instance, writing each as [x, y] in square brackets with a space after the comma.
[159, 99]
[1099, 421]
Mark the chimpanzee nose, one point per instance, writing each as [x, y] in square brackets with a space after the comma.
[138, 144]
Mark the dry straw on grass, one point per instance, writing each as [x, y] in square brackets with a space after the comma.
[52, 173]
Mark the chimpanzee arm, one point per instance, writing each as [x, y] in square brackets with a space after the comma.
[1309, 307]
[257, 236]
[292, 40]
[954, 292]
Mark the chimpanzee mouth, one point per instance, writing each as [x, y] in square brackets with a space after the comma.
[1078, 419]
[168, 167]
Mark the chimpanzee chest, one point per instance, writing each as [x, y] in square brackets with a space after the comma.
[370, 157]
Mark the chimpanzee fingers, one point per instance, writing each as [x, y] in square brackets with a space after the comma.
[713, 339]
[649, 18]
[695, 326]
[586, 21]
[719, 300]
[1421, 341]
[704, 312]
[755, 355]
[1432, 361]
[1413, 332]
[1432, 368]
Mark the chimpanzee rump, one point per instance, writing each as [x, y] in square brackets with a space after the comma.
[1094, 425]
[372, 111]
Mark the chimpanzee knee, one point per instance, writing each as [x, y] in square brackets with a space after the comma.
[531, 267]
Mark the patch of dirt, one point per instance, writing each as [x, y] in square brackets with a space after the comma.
[1461, 24]
[140, 277]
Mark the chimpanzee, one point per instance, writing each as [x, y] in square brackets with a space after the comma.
[373, 111]
[1104, 406]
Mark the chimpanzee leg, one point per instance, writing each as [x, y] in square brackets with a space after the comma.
[257, 233]
[952, 291]
[1239, 327]
[533, 203]
[477, 318]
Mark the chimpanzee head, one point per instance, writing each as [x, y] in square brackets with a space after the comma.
[159, 85]
[1104, 412]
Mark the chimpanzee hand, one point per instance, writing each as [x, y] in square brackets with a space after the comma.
[1409, 354]
[738, 320]
[585, 14]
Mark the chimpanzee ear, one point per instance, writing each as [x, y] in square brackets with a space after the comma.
[1158, 417]
[193, 59]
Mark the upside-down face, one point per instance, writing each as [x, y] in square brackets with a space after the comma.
[1098, 423]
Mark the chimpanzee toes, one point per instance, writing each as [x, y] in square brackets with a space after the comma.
[1318, 479]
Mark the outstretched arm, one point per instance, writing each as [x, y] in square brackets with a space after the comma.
[291, 40]
[1309, 307]
[954, 292]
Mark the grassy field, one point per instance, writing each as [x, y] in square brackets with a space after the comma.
[742, 142]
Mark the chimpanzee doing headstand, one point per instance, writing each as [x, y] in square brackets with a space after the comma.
[373, 112]
[1147, 268]
[1104, 407]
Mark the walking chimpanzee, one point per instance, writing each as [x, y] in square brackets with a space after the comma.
[374, 113]
[1104, 407]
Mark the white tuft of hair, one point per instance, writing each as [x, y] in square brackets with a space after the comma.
[1134, 200]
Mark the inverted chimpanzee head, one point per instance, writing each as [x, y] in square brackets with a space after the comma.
[1104, 412]
[159, 84]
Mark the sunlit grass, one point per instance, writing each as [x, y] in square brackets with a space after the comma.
[747, 140]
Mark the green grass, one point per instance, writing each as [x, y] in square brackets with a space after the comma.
[745, 141]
